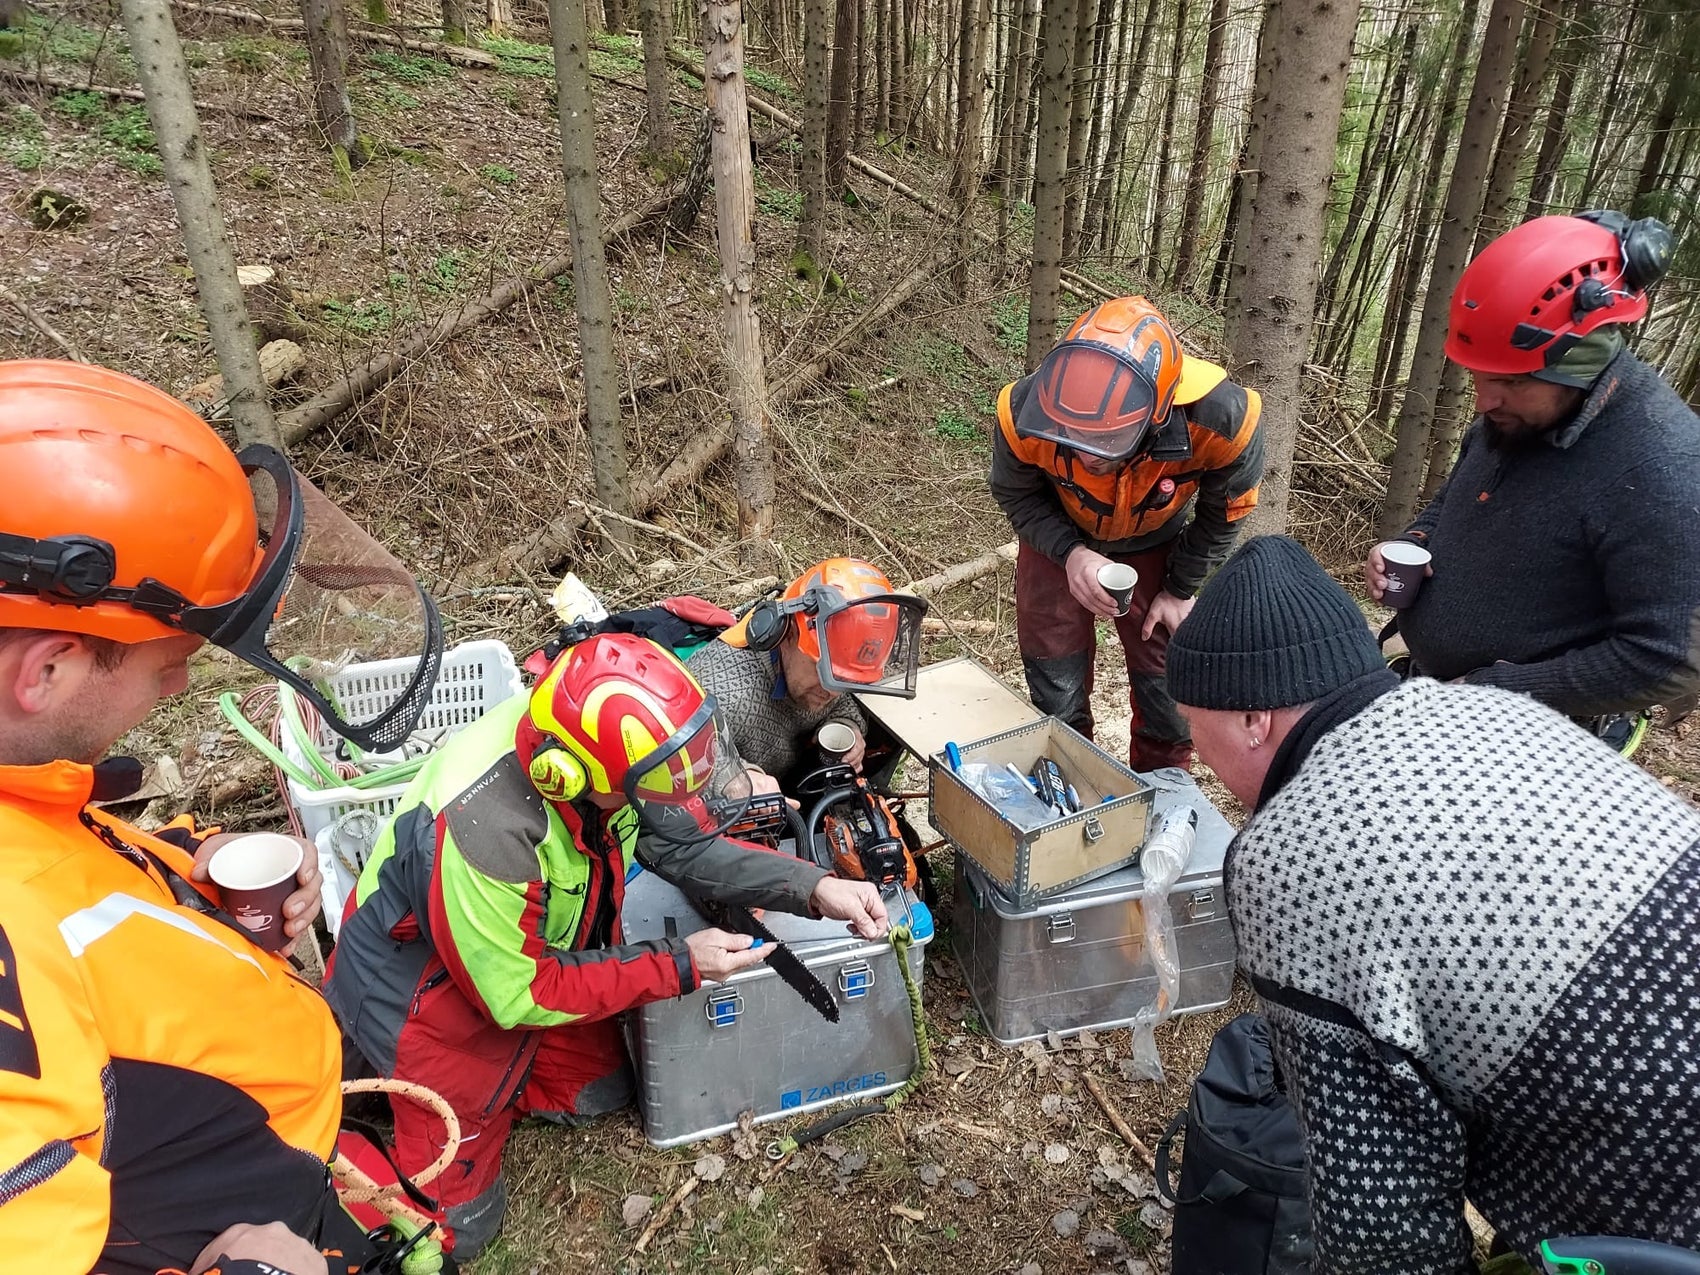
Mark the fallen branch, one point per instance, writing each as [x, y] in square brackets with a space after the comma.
[963, 572]
[1121, 1126]
[40, 324]
[1072, 280]
[332, 402]
[950, 624]
[540, 550]
[666, 1211]
[464, 55]
[44, 79]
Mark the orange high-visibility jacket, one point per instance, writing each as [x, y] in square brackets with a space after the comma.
[161, 1078]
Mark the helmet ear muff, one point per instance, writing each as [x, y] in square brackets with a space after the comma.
[767, 625]
[1647, 246]
[556, 773]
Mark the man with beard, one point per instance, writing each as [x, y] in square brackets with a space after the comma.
[1563, 560]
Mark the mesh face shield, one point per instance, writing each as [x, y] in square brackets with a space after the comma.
[695, 786]
[871, 644]
[1090, 398]
[326, 596]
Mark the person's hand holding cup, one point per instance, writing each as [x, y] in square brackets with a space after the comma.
[1395, 571]
[257, 875]
[1118, 580]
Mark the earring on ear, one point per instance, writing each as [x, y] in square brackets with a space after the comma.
[1255, 742]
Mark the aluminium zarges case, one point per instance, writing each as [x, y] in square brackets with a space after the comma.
[1077, 960]
[752, 1043]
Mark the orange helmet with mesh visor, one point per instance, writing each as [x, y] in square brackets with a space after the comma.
[619, 715]
[860, 634]
[126, 517]
[1108, 383]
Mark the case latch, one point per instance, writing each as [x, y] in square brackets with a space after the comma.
[1060, 928]
[725, 1007]
[1093, 829]
[855, 980]
[1202, 906]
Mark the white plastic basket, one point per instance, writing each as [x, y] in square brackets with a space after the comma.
[344, 822]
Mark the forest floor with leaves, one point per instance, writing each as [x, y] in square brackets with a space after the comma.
[1002, 1161]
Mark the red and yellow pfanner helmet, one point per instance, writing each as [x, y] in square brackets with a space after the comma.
[618, 715]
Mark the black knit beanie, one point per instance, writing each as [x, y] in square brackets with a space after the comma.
[1269, 630]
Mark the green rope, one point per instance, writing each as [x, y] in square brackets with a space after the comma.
[901, 941]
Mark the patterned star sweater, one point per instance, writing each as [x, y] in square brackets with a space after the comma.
[1473, 927]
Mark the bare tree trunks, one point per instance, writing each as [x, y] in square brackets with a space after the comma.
[817, 60]
[171, 110]
[1050, 177]
[734, 214]
[1312, 40]
[326, 28]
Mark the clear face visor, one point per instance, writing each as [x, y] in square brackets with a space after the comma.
[870, 645]
[695, 786]
[327, 596]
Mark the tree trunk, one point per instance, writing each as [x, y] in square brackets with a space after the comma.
[1395, 323]
[1553, 138]
[734, 215]
[1110, 58]
[1012, 126]
[1198, 173]
[1514, 134]
[590, 265]
[1165, 145]
[1236, 244]
[655, 17]
[841, 92]
[1676, 93]
[1452, 253]
[686, 207]
[614, 13]
[454, 21]
[970, 150]
[1312, 51]
[1103, 201]
[326, 29]
[882, 68]
[1613, 99]
[817, 58]
[170, 105]
[1049, 177]
[1092, 15]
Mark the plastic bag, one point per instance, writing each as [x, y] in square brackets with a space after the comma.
[1162, 862]
[1009, 794]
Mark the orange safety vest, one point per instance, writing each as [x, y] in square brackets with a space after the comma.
[207, 1074]
[1132, 500]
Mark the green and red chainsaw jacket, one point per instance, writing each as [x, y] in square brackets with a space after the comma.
[519, 900]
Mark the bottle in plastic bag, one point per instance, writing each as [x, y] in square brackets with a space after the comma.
[1162, 862]
[1008, 793]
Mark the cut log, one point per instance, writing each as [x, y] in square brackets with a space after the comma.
[43, 79]
[462, 55]
[280, 361]
[947, 625]
[963, 572]
[271, 305]
[378, 371]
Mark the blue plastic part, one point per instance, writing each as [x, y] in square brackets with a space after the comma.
[755, 943]
[632, 872]
[920, 921]
[953, 754]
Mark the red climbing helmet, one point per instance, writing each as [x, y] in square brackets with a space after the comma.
[1537, 290]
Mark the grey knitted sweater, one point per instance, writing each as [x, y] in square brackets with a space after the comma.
[773, 732]
[1568, 568]
[1473, 930]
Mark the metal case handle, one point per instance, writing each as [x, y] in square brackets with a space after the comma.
[724, 1008]
[1060, 928]
[855, 979]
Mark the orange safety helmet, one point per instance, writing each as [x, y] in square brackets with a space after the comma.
[126, 517]
[859, 634]
[92, 457]
[1108, 384]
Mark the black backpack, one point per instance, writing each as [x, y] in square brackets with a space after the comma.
[1240, 1205]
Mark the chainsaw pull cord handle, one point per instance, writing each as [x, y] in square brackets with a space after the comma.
[902, 939]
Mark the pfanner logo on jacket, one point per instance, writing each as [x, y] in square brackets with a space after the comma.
[794, 1098]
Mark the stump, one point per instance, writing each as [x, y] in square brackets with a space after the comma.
[271, 305]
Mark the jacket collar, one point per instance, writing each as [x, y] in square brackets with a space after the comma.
[1328, 712]
[71, 784]
[1604, 390]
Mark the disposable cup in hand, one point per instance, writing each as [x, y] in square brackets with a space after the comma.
[254, 875]
[1117, 579]
[1405, 565]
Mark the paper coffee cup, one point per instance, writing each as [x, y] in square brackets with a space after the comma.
[254, 875]
[1406, 566]
[1117, 579]
[835, 739]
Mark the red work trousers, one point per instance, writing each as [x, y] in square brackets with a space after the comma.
[1059, 644]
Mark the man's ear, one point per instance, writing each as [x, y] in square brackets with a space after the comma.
[47, 668]
[1259, 725]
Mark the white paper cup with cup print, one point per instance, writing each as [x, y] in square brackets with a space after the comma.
[254, 875]
[1117, 579]
[1405, 566]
